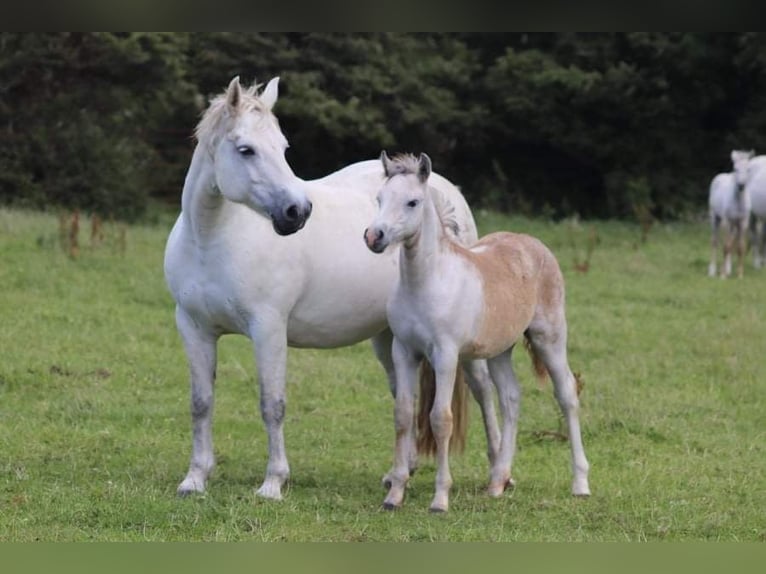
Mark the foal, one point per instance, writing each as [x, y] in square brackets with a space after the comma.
[453, 305]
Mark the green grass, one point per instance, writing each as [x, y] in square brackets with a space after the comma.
[94, 424]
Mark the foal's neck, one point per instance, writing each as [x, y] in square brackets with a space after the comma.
[201, 201]
[421, 252]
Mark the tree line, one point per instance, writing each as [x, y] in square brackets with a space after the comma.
[596, 124]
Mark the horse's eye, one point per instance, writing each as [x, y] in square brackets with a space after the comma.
[246, 150]
[412, 203]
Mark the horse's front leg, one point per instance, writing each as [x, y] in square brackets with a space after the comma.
[406, 365]
[741, 247]
[445, 365]
[270, 340]
[200, 347]
[381, 344]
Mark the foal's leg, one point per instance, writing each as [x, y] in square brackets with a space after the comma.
[445, 366]
[406, 365]
[381, 344]
[269, 335]
[509, 393]
[200, 347]
[480, 383]
[550, 343]
[715, 223]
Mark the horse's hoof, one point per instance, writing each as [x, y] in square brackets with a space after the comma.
[437, 510]
[390, 506]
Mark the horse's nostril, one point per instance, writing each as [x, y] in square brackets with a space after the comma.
[309, 208]
[379, 234]
[291, 212]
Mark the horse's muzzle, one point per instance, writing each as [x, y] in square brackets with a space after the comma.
[375, 241]
[291, 219]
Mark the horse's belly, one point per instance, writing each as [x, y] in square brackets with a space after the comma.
[337, 318]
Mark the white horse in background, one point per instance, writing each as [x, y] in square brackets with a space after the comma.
[729, 203]
[229, 272]
[756, 191]
[453, 305]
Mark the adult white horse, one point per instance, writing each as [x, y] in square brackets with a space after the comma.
[453, 305]
[756, 191]
[229, 272]
[729, 203]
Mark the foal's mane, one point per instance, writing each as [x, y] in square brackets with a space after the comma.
[406, 164]
[214, 119]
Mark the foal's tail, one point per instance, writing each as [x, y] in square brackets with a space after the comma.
[540, 370]
[537, 363]
[426, 442]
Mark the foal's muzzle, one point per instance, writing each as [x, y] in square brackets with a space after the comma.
[375, 240]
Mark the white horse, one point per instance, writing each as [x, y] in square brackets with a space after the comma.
[729, 203]
[229, 272]
[454, 304]
[756, 191]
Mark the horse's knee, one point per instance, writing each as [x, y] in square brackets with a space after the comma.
[273, 411]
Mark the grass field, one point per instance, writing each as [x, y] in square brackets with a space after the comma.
[94, 425]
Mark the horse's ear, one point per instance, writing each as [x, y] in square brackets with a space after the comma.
[386, 163]
[270, 93]
[424, 167]
[234, 94]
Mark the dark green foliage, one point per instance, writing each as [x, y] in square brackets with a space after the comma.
[599, 124]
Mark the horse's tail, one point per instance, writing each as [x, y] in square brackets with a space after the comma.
[540, 369]
[537, 363]
[426, 442]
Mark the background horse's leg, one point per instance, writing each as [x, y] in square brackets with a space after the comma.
[406, 364]
[741, 230]
[715, 224]
[509, 394]
[728, 243]
[759, 243]
[200, 349]
[480, 384]
[550, 344]
[270, 340]
[381, 344]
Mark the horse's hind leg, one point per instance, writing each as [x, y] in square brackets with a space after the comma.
[480, 383]
[741, 232]
[200, 349]
[759, 243]
[509, 394]
[549, 343]
[381, 344]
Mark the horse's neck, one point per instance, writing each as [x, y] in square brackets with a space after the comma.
[201, 202]
[421, 254]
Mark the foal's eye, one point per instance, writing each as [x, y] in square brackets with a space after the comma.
[412, 203]
[246, 150]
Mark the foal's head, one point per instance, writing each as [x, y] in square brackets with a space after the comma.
[741, 162]
[400, 201]
[247, 147]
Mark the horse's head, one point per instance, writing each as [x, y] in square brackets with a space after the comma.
[741, 162]
[248, 151]
[400, 201]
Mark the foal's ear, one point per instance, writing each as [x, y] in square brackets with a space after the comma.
[424, 167]
[386, 163]
[270, 93]
[234, 94]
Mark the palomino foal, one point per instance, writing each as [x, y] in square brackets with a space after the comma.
[454, 304]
